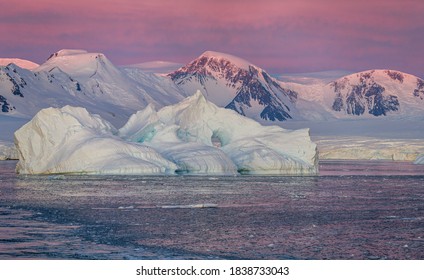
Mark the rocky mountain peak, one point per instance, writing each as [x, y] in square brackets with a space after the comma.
[249, 90]
[375, 92]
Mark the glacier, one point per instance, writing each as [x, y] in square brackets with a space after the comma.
[367, 148]
[194, 136]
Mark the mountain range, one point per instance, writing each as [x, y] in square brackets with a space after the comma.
[79, 78]
[91, 80]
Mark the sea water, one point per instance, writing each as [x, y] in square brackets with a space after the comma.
[353, 210]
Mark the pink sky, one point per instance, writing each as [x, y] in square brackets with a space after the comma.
[281, 36]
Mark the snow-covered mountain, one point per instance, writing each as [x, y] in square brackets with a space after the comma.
[79, 78]
[23, 63]
[234, 83]
[158, 67]
[368, 94]
[313, 78]
[377, 93]
[90, 80]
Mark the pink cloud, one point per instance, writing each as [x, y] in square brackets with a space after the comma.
[283, 35]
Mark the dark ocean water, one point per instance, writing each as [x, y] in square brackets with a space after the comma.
[353, 210]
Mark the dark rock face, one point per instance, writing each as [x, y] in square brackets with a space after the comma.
[394, 75]
[366, 96]
[252, 89]
[9, 75]
[252, 85]
[377, 103]
[17, 81]
[338, 104]
[354, 101]
[419, 91]
[4, 105]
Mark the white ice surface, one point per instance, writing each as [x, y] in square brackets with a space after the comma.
[70, 140]
[362, 148]
[245, 145]
[177, 138]
[365, 139]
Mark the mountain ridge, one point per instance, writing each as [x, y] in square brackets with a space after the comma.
[234, 83]
[23, 63]
[81, 78]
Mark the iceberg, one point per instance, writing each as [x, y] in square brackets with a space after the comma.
[71, 140]
[194, 136]
[8, 151]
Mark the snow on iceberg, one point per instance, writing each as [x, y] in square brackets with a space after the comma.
[194, 136]
[160, 131]
[231, 141]
[70, 140]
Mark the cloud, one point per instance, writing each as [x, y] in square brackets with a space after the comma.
[283, 35]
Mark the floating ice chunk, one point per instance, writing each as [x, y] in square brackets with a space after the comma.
[419, 159]
[8, 151]
[56, 177]
[201, 205]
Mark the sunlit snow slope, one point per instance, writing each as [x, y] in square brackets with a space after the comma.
[79, 78]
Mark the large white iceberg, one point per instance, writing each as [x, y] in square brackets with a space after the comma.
[70, 140]
[194, 136]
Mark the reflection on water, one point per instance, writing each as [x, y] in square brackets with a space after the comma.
[354, 216]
